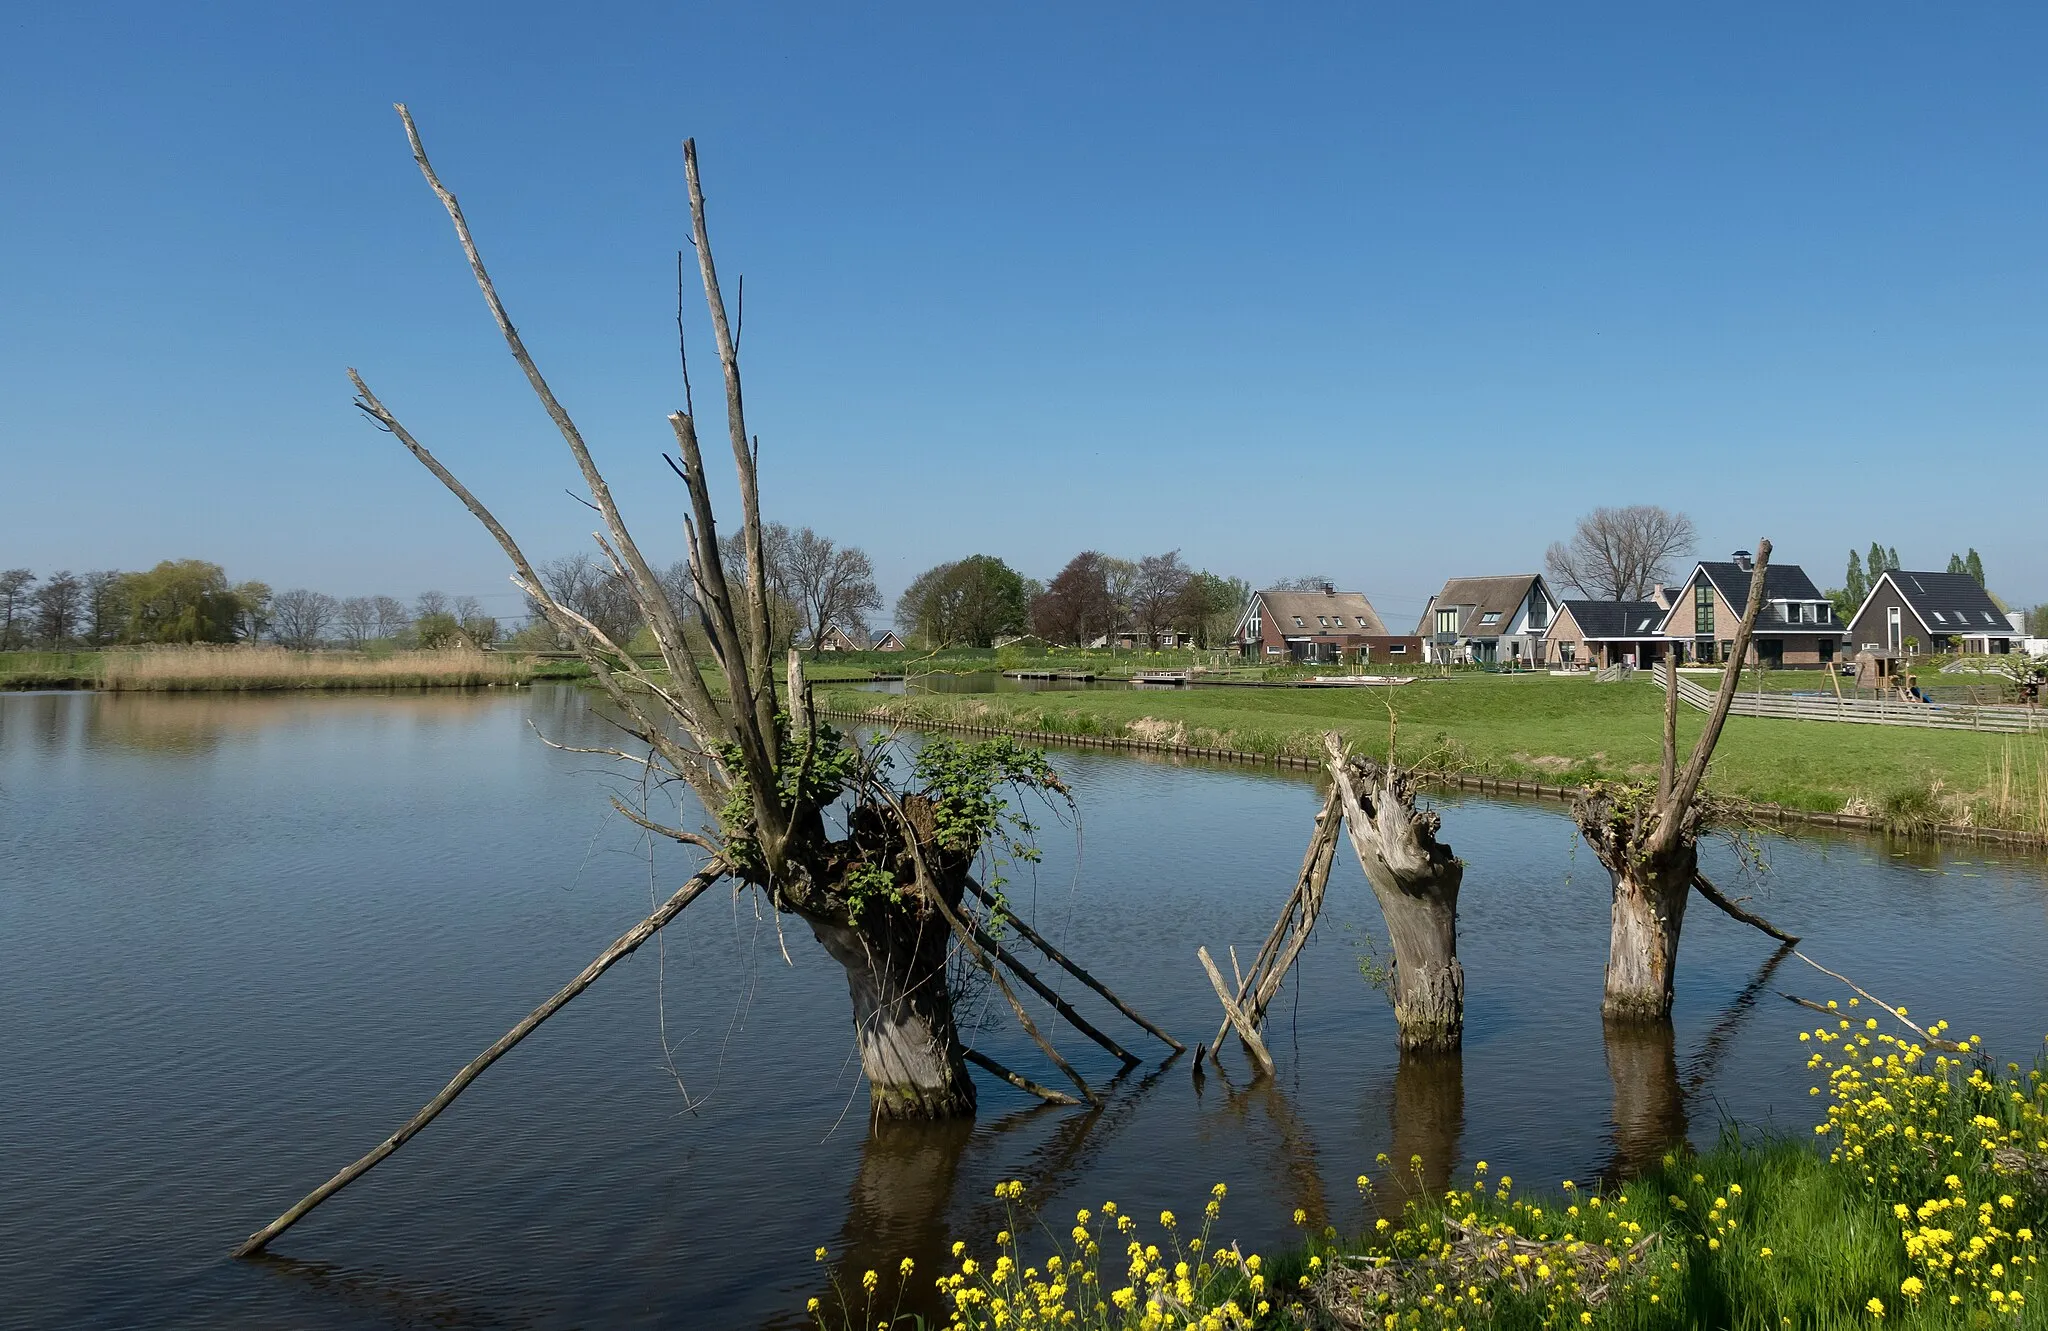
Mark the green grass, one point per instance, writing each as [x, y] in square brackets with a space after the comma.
[49, 670]
[1528, 726]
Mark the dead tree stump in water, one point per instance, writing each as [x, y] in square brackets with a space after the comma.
[1649, 841]
[1416, 879]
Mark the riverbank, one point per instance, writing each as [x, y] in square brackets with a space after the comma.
[1922, 1206]
[261, 669]
[1538, 734]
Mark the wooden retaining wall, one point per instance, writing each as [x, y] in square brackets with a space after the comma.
[1775, 814]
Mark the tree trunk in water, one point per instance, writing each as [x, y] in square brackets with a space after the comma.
[895, 960]
[1416, 879]
[1642, 946]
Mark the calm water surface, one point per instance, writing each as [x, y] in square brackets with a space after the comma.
[243, 939]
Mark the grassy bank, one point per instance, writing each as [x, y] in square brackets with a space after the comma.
[49, 670]
[249, 669]
[1925, 1206]
[1539, 727]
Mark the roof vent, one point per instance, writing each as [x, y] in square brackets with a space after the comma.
[1742, 561]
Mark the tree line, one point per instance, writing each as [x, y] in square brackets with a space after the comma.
[976, 601]
[192, 601]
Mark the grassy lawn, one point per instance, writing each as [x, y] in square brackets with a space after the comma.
[49, 670]
[1530, 726]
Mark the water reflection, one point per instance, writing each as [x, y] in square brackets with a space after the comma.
[1428, 1122]
[1649, 1104]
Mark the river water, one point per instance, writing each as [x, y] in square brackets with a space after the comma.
[242, 939]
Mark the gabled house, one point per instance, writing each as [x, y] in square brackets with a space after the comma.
[1930, 612]
[1595, 634]
[888, 642]
[1496, 619]
[1323, 625]
[1796, 628]
[836, 639]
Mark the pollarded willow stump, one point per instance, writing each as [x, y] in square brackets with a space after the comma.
[1652, 877]
[1416, 879]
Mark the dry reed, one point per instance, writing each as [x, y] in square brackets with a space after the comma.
[2017, 793]
[181, 669]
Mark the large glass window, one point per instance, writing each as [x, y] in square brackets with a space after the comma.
[1703, 610]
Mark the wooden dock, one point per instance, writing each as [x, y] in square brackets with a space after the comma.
[1077, 676]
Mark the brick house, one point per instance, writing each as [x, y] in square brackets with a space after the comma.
[1797, 628]
[1594, 634]
[1325, 625]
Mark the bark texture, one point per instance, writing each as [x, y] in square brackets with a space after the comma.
[902, 1013]
[1416, 879]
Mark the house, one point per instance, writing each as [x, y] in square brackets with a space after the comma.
[1796, 628]
[1931, 612]
[888, 642]
[1322, 625]
[1594, 634]
[1505, 619]
[836, 639]
[1130, 639]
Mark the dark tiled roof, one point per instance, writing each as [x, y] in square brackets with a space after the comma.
[1352, 607]
[1477, 598]
[1617, 619]
[1782, 582]
[1962, 605]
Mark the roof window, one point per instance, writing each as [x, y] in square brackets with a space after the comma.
[1490, 617]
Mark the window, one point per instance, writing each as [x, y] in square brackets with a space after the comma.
[1809, 613]
[1703, 610]
[1937, 617]
[1272, 651]
[1988, 619]
[1251, 626]
[1892, 628]
[1398, 649]
[1323, 620]
[1338, 620]
[1490, 617]
[1297, 622]
[1447, 622]
[1827, 650]
[1539, 611]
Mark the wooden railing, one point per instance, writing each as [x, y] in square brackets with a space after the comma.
[1880, 711]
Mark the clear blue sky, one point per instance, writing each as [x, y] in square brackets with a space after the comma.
[1369, 290]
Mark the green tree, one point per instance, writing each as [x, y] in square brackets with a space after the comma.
[1891, 558]
[969, 602]
[437, 628]
[1211, 605]
[1973, 564]
[14, 604]
[1853, 584]
[181, 600]
[1956, 565]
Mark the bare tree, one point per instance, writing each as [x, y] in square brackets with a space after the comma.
[106, 607]
[1302, 582]
[299, 618]
[582, 583]
[830, 583]
[889, 898]
[356, 617]
[14, 605]
[1120, 581]
[429, 603]
[1621, 554]
[1157, 591]
[59, 608]
[392, 617]
[1076, 605]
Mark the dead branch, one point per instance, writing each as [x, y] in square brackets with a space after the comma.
[1051, 996]
[1925, 1034]
[1714, 895]
[626, 945]
[1246, 1031]
[1321, 851]
[1031, 936]
[1021, 1082]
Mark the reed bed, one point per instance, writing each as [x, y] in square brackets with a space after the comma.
[257, 669]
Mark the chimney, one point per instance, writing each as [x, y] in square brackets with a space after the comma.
[1743, 561]
[1329, 590]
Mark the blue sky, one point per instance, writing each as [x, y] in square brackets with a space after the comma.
[1384, 292]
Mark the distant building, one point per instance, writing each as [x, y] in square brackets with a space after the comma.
[1325, 625]
[1503, 619]
[1796, 628]
[837, 639]
[1931, 612]
[1594, 634]
[888, 642]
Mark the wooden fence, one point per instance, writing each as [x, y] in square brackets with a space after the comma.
[1880, 711]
